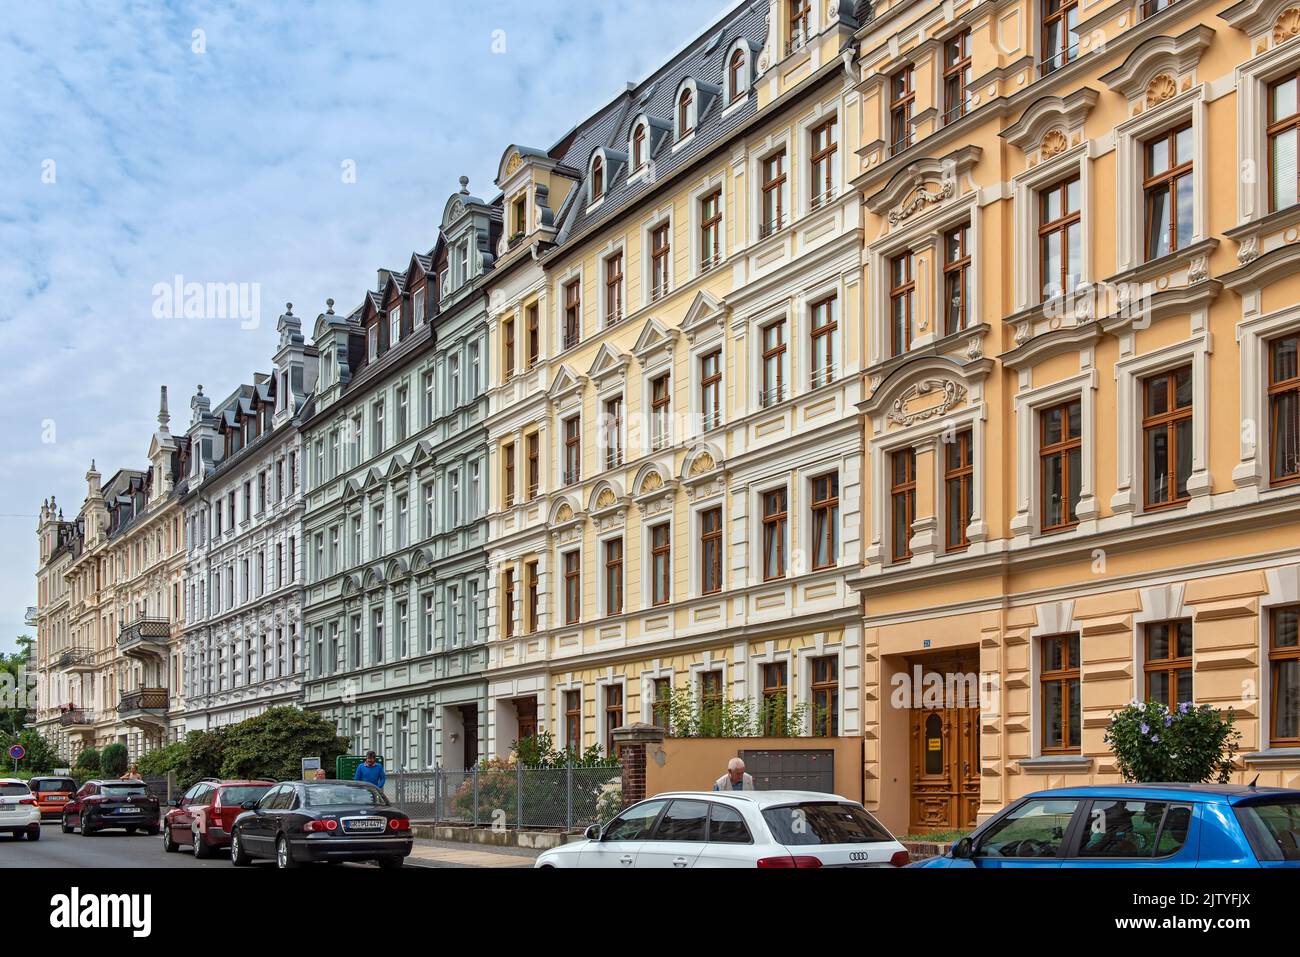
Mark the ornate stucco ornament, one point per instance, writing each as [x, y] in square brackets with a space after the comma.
[1287, 26]
[1249, 251]
[920, 198]
[953, 393]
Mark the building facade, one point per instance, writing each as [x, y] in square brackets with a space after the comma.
[243, 506]
[395, 523]
[58, 664]
[674, 435]
[1080, 411]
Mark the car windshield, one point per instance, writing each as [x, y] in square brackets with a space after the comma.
[124, 790]
[233, 797]
[1273, 828]
[827, 822]
[332, 794]
[10, 790]
[46, 785]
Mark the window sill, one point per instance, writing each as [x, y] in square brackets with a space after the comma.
[1056, 763]
[1273, 758]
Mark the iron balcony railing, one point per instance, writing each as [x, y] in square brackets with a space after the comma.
[71, 657]
[613, 458]
[772, 226]
[570, 338]
[568, 797]
[142, 699]
[822, 376]
[1059, 59]
[659, 290]
[711, 421]
[77, 717]
[795, 42]
[824, 198]
[770, 397]
[710, 260]
[902, 144]
[572, 476]
[156, 630]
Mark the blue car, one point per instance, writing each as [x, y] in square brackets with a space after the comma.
[1138, 825]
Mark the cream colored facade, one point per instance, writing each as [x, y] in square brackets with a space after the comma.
[612, 464]
[109, 660]
[1205, 544]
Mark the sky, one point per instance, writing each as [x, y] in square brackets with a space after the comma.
[291, 149]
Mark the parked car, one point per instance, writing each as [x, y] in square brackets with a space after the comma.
[19, 813]
[100, 805]
[297, 822]
[52, 793]
[735, 829]
[201, 818]
[1138, 825]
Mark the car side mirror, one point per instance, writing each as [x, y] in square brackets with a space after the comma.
[249, 805]
[592, 833]
[963, 849]
[176, 801]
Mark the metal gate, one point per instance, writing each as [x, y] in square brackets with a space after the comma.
[810, 770]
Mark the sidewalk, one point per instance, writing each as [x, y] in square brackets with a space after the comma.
[455, 854]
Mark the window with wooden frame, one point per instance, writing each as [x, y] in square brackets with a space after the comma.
[711, 551]
[711, 698]
[572, 449]
[1284, 676]
[1060, 238]
[958, 478]
[638, 148]
[613, 714]
[1167, 662]
[902, 98]
[902, 502]
[775, 521]
[659, 261]
[776, 698]
[800, 13]
[1284, 410]
[508, 348]
[660, 564]
[508, 603]
[956, 76]
[822, 147]
[1060, 34]
[1283, 133]
[1167, 192]
[902, 303]
[773, 343]
[508, 476]
[533, 317]
[534, 477]
[531, 590]
[1167, 437]
[736, 76]
[1151, 7]
[1058, 686]
[520, 208]
[597, 179]
[826, 696]
[1060, 456]
[573, 721]
[710, 230]
[956, 279]
[572, 313]
[613, 432]
[614, 576]
[774, 178]
[685, 102]
[660, 411]
[711, 389]
[661, 690]
[572, 588]
[825, 512]
[614, 289]
[823, 339]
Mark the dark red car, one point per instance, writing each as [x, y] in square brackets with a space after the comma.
[201, 817]
[100, 805]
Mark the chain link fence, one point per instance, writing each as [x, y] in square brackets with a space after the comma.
[569, 798]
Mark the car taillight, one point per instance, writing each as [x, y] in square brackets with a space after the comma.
[901, 859]
[400, 824]
[27, 801]
[312, 826]
[801, 860]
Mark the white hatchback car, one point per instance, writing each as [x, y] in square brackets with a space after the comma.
[686, 829]
[19, 813]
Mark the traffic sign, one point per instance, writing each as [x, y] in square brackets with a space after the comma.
[17, 752]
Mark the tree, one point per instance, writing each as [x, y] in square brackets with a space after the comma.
[40, 756]
[200, 755]
[112, 760]
[13, 686]
[88, 760]
[1187, 744]
[273, 744]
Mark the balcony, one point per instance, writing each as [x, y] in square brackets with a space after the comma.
[144, 707]
[772, 225]
[76, 659]
[77, 718]
[145, 638]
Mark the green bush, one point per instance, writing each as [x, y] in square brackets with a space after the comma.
[691, 717]
[88, 760]
[273, 744]
[1189, 744]
[113, 760]
[40, 756]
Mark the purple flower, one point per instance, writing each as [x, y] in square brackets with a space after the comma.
[1155, 738]
[1185, 707]
[1169, 719]
[1144, 728]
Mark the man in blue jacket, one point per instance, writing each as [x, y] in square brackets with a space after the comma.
[371, 771]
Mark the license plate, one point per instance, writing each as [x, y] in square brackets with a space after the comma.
[367, 824]
[126, 810]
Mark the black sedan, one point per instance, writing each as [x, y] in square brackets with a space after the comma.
[298, 822]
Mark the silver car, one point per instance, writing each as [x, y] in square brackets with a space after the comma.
[19, 813]
[779, 829]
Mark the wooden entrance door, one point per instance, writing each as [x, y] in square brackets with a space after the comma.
[526, 710]
[945, 767]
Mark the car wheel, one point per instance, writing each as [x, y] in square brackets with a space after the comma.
[86, 829]
[390, 862]
[283, 855]
[64, 825]
[201, 849]
[34, 833]
[169, 846]
[237, 855]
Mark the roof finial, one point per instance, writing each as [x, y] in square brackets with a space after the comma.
[464, 185]
[288, 309]
[329, 303]
[200, 388]
[163, 417]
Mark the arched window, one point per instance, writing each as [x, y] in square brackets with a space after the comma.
[638, 147]
[597, 179]
[684, 103]
[736, 75]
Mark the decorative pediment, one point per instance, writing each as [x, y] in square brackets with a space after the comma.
[566, 384]
[372, 578]
[1275, 20]
[566, 522]
[422, 453]
[374, 479]
[915, 389]
[927, 182]
[926, 399]
[421, 559]
[351, 585]
[608, 364]
[706, 316]
[653, 494]
[1162, 66]
[397, 570]
[396, 466]
[1062, 114]
[608, 506]
[655, 340]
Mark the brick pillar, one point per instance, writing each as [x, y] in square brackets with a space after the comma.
[630, 743]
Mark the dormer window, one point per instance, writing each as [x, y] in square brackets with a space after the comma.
[800, 11]
[520, 210]
[372, 343]
[597, 179]
[736, 75]
[685, 113]
[638, 148]
[395, 323]
[417, 307]
[464, 261]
